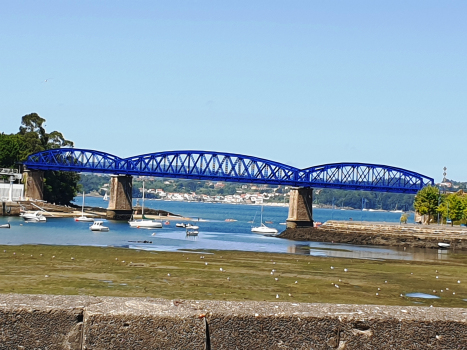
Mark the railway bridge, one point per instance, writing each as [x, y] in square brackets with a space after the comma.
[221, 166]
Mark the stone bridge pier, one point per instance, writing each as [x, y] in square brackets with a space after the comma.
[120, 202]
[300, 208]
[34, 184]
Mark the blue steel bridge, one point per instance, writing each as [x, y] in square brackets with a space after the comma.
[230, 167]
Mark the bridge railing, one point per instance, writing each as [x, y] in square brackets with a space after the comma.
[232, 167]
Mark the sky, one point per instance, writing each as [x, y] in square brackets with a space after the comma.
[298, 82]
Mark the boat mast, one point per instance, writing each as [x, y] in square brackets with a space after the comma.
[142, 205]
[82, 206]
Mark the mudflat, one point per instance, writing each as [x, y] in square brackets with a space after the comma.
[229, 275]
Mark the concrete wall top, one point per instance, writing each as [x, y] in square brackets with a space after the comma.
[79, 322]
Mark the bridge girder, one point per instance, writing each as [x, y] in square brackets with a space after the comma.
[231, 167]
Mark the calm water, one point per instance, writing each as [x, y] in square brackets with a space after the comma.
[215, 232]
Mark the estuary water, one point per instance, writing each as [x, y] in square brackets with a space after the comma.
[215, 233]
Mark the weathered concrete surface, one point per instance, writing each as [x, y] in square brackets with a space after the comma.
[74, 322]
[417, 236]
[127, 323]
[300, 208]
[120, 202]
[42, 321]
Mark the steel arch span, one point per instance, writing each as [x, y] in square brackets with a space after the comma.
[231, 167]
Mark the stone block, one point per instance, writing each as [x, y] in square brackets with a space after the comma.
[137, 323]
[41, 321]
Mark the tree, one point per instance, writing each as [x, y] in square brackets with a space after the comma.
[426, 201]
[453, 207]
[59, 187]
[13, 149]
[36, 136]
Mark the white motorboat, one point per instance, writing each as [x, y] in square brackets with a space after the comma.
[5, 225]
[144, 223]
[83, 217]
[192, 232]
[263, 229]
[180, 224]
[35, 216]
[98, 225]
[191, 227]
[443, 245]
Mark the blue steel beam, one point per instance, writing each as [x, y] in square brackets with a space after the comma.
[231, 167]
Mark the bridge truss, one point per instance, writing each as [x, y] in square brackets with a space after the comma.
[230, 167]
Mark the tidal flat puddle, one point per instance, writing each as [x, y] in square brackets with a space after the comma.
[422, 296]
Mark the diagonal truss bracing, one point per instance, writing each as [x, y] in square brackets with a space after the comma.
[219, 166]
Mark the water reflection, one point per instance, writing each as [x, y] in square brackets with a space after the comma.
[421, 295]
[369, 252]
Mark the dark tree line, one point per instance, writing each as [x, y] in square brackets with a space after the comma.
[59, 187]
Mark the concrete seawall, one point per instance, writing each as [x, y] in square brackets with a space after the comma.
[80, 322]
[373, 233]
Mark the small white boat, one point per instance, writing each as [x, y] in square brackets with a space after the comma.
[263, 229]
[180, 224]
[443, 245]
[5, 225]
[35, 216]
[144, 223]
[98, 225]
[83, 217]
[192, 227]
[192, 233]
[106, 198]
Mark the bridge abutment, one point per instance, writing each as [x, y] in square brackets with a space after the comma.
[300, 208]
[120, 202]
[34, 184]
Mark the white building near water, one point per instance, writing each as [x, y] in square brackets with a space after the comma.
[17, 192]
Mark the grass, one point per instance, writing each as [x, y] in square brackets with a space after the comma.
[41, 269]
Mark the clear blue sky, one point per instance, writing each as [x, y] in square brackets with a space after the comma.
[299, 82]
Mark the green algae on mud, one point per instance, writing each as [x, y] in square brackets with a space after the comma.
[228, 275]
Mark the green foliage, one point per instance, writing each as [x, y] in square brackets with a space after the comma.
[373, 200]
[65, 181]
[13, 149]
[453, 207]
[59, 187]
[91, 182]
[404, 218]
[426, 201]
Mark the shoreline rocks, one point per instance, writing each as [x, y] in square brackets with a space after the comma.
[416, 236]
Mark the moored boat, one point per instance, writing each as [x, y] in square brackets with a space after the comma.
[35, 216]
[98, 225]
[5, 225]
[444, 245]
[143, 222]
[83, 217]
[263, 229]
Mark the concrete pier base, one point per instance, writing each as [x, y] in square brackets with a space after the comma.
[34, 184]
[81, 322]
[300, 208]
[120, 202]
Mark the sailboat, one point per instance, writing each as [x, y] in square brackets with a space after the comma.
[263, 229]
[105, 197]
[83, 217]
[143, 222]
